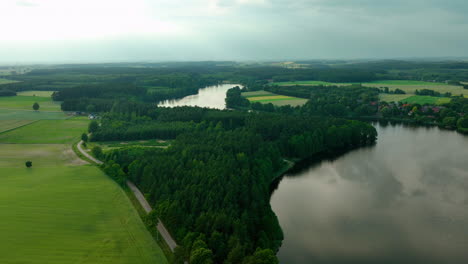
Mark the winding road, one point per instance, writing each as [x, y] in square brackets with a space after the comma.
[141, 198]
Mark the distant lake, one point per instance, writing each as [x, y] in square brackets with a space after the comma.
[404, 200]
[211, 96]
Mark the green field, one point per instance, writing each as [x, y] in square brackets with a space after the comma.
[6, 125]
[26, 103]
[47, 94]
[265, 97]
[420, 99]
[6, 81]
[47, 131]
[393, 97]
[18, 114]
[61, 211]
[305, 83]
[256, 93]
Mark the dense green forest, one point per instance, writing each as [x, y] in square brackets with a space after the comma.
[211, 186]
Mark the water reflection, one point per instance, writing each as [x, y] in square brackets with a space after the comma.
[211, 96]
[401, 201]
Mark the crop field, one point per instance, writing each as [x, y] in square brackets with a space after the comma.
[265, 97]
[61, 210]
[46, 131]
[306, 83]
[393, 97]
[420, 99]
[46, 94]
[70, 215]
[6, 125]
[6, 81]
[18, 114]
[256, 93]
[26, 103]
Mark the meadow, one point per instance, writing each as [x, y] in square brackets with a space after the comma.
[6, 81]
[421, 99]
[61, 210]
[19, 114]
[70, 215]
[26, 103]
[46, 94]
[265, 97]
[6, 125]
[46, 132]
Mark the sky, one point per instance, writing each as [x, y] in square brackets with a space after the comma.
[241, 30]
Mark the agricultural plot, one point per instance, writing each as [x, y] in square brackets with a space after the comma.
[256, 93]
[42, 155]
[393, 97]
[306, 83]
[47, 132]
[420, 99]
[265, 97]
[18, 114]
[61, 211]
[111, 145]
[70, 215]
[26, 103]
[46, 94]
[6, 125]
[6, 81]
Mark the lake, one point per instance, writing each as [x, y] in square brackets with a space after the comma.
[404, 200]
[211, 96]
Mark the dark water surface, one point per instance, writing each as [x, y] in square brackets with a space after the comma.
[404, 200]
[211, 96]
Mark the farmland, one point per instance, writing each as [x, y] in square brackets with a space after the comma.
[6, 125]
[408, 86]
[420, 99]
[46, 131]
[26, 103]
[46, 94]
[62, 210]
[18, 114]
[265, 97]
[6, 81]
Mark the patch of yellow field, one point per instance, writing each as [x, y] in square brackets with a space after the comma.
[272, 97]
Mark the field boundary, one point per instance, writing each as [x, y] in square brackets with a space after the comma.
[11, 129]
[139, 196]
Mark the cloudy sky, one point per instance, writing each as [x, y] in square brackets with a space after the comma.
[160, 30]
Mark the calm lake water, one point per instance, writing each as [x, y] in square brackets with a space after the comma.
[404, 200]
[211, 96]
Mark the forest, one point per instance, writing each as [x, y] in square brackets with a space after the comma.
[211, 186]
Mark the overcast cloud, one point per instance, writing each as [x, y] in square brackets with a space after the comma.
[156, 30]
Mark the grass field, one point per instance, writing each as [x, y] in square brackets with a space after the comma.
[393, 97]
[6, 81]
[18, 114]
[256, 93]
[26, 103]
[70, 215]
[265, 97]
[61, 211]
[420, 99]
[47, 94]
[6, 125]
[305, 83]
[46, 132]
